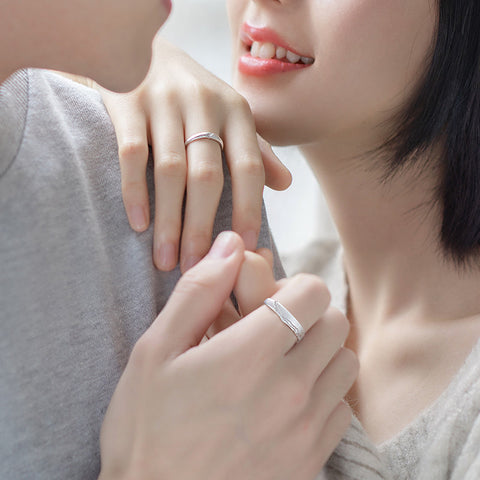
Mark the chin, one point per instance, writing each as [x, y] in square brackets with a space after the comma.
[279, 121]
[123, 71]
[280, 129]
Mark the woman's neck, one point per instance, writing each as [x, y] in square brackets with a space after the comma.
[390, 234]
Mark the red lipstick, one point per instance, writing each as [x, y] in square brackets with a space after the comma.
[255, 66]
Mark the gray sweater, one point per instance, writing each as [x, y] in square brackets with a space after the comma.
[77, 285]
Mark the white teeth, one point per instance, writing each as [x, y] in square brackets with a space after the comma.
[255, 50]
[269, 50]
[281, 53]
[307, 60]
[292, 57]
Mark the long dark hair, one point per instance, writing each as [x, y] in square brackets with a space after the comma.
[445, 111]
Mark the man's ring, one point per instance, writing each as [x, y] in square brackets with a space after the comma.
[286, 317]
[204, 135]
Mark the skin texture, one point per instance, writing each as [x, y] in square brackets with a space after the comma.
[415, 316]
[101, 40]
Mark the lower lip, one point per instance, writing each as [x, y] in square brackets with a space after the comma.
[261, 67]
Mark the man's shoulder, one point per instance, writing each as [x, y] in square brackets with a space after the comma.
[76, 107]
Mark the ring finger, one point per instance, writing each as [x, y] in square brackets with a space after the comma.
[204, 189]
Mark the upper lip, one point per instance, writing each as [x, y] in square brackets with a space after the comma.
[250, 34]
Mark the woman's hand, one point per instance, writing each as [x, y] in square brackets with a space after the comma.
[248, 403]
[179, 98]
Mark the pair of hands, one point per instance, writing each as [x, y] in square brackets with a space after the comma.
[246, 403]
[180, 98]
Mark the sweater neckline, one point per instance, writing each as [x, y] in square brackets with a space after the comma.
[438, 411]
[460, 383]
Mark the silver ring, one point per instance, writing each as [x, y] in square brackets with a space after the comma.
[286, 317]
[204, 135]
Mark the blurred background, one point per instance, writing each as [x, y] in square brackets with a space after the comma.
[298, 217]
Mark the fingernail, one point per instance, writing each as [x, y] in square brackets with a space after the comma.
[138, 218]
[223, 246]
[189, 262]
[250, 240]
[166, 259]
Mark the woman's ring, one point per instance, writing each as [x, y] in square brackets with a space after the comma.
[286, 317]
[204, 135]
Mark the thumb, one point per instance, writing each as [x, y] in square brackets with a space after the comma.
[277, 175]
[199, 296]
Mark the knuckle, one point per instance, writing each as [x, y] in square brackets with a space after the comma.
[166, 92]
[314, 287]
[239, 102]
[143, 351]
[133, 150]
[251, 168]
[201, 92]
[171, 165]
[199, 237]
[193, 285]
[208, 174]
[133, 190]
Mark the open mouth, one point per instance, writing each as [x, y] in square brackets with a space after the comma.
[268, 50]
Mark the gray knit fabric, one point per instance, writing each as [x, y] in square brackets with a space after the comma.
[441, 443]
[77, 285]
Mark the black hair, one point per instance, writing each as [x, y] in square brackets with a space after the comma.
[445, 111]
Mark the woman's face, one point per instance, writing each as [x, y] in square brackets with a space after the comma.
[360, 61]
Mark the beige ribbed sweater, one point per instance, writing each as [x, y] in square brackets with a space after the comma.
[442, 443]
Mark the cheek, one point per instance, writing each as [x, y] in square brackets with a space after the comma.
[369, 55]
[235, 10]
[372, 53]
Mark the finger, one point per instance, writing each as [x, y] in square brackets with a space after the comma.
[255, 283]
[310, 356]
[277, 175]
[131, 131]
[327, 438]
[334, 382]
[305, 296]
[267, 254]
[281, 283]
[198, 297]
[204, 189]
[170, 181]
[226, 318]
[247, 171]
